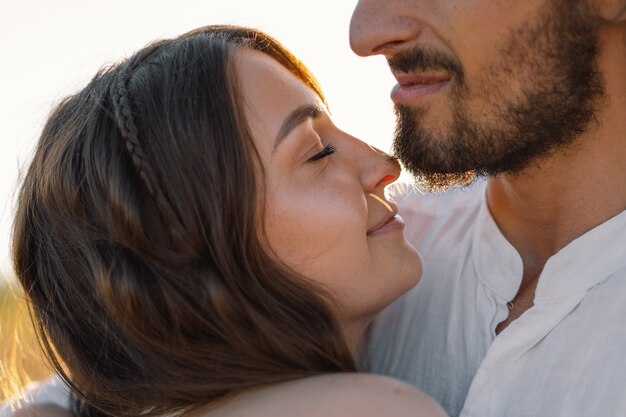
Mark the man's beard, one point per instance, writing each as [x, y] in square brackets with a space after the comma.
[553, 58]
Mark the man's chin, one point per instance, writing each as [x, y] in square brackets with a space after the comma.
[435, 121]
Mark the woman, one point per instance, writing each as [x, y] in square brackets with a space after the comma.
[196, 236]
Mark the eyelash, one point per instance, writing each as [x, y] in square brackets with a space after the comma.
[327, 151]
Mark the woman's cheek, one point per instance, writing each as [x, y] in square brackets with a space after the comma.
[304, 228]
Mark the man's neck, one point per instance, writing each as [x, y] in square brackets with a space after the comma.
[548, 206]
[545, 207]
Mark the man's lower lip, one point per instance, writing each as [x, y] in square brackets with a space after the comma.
[410, 94]
[396, 224]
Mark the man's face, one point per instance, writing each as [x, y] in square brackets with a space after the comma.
[484, 86]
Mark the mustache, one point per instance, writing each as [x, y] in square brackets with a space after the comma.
[420, 59]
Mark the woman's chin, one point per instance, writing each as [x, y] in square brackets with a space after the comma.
[406, 268]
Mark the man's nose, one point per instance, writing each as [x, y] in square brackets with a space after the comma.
[383, 26]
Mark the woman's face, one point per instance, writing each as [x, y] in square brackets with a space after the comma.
[326, 215]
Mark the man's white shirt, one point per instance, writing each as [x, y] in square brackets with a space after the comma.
[566, 356]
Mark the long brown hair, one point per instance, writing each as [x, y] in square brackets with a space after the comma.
[137, 239]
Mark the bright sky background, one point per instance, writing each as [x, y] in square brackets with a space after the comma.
[52, 48]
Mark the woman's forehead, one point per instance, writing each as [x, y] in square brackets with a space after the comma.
[269, 92]
[263, 78]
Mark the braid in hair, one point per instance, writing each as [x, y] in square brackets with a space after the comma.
[130, 134]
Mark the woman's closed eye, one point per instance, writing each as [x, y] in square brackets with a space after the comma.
[327, 151]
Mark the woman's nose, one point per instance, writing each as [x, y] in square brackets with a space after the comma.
[379, 170]
[382, 26]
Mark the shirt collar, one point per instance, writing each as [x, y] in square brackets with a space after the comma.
[584, 263]
[497, 263]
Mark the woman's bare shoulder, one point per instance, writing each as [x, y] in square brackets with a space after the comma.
[335, 395]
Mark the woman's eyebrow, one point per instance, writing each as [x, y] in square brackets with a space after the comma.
[299, 115]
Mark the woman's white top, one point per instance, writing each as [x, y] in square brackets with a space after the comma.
[50, 392]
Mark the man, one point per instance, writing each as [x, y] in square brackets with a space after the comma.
[521, 307]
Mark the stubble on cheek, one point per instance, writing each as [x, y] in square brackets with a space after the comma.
[540, 92]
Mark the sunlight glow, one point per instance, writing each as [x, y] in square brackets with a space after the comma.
[51, 49]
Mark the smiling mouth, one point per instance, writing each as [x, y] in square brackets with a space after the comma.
[412, 87]
[393, 223]
[391, 220]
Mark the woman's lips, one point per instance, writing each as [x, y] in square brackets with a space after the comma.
[413, 87]
[390, 224]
